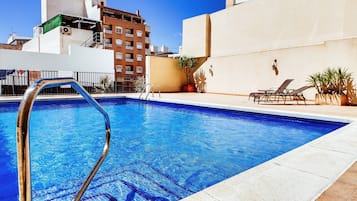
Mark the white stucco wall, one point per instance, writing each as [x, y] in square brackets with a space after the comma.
[56, 42]
[51, 41]
[305, 36]
[77, 37]
[50, 8]
[32, 45]
[278, 24]
[195, 37]
[245, 73]
[92, 11]
[79, 59]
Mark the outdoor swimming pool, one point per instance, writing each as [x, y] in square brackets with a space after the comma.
[158, 151]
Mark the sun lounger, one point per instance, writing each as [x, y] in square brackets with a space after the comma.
[296, 94]
[268, 94]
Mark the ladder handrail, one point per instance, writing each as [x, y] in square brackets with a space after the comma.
[151, 87]
[150, 90]
[143, 90]
[22, 133]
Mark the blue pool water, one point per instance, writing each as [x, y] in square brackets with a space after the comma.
[158, 151]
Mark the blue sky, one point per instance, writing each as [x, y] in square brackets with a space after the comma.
[164, 16]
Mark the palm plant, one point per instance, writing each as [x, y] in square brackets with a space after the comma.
[342, 79]
[187, 64]
[315, 81]
[331, 81]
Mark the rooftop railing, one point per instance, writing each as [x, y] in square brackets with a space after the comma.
[15, 82]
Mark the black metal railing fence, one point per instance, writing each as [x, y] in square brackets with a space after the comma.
[15, 82]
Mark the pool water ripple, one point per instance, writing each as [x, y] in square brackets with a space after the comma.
[158, 151]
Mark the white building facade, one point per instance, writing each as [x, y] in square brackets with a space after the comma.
[66, 36]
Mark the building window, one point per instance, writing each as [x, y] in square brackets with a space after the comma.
[139, 33]
[118, 30]
[129, 70]
[119, 55]
[139, 57]
[139, 45]
[118, 42]
[107, 29]
[139, 69]
[108, 42]
[129, 45]
[129, 32]
[118, 68]
[129, 57]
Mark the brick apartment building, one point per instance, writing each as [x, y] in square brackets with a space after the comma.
[128, 36]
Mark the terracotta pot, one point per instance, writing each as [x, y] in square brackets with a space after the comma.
[330, 99]
[189, 88]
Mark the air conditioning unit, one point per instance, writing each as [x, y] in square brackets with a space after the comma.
[66, 30]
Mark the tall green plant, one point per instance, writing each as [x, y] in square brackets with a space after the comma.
[331, 81]
[315, 82]
[187, 64]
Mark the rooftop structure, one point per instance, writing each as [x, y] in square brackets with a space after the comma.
[15, 42]
[60, 32]
[83, 8]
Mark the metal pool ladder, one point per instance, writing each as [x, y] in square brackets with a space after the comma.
[150, 90]
[22, 133]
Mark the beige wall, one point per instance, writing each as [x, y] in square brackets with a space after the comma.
[276, 24]
[305, 36]
[166, 73]
[229, 3]
[196, 36]
[244, 73]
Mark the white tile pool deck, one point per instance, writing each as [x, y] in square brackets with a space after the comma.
[301, 174]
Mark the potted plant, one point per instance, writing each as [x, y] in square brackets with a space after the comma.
[331, 86]
[187, 64]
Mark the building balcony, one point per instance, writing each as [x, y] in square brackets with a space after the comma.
[108, 45]
[129, 59]
[147, 29]
[107, 31]
[129, 35]
[129, 72]
[129, 47]
[147, 52]
[147, 40]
